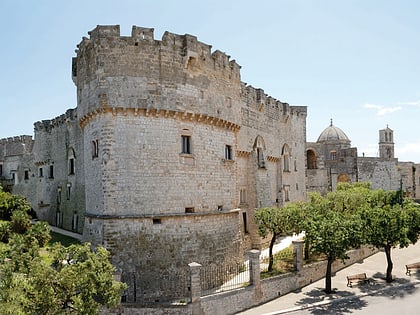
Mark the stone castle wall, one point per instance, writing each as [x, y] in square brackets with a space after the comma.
[137, 98]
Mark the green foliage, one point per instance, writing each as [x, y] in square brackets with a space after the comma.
[63, 239]
[41, 232]
[5, 230]
[77, 281]
[63, 280]
[20, 221]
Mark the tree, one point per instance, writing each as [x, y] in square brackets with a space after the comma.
[333, 225]
[276, 221]
[53, 280]
[389, 224]
[333, 234]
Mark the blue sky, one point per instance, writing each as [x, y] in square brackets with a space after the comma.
[357, 62]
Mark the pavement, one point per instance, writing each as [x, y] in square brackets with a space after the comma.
[375, 268]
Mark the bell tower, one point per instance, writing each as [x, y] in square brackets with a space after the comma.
[386, 143]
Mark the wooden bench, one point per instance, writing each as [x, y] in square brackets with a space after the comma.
[410, 267]
[357, 278]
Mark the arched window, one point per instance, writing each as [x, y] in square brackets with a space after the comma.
[259, 147]
[71, 161]
[311, 159]
[286, 158]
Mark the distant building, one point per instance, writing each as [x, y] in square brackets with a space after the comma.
[331, 160]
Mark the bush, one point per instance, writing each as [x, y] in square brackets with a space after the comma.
[41, 232]
[20, 221]
[4, 231]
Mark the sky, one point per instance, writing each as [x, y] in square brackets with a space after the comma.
[356, 62]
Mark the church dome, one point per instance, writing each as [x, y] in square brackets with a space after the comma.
[333, 134]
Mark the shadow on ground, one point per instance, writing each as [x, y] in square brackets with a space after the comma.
[327, 303]
[378, 286]
[346, 302]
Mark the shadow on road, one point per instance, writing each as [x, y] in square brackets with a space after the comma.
[378, 286]
[326, 303]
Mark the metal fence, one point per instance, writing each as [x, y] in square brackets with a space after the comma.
[221, 278]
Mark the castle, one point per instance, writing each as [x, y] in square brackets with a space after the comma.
[168, 153]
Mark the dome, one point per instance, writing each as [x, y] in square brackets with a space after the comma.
[333, 134]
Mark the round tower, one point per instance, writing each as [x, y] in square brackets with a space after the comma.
[159, 122]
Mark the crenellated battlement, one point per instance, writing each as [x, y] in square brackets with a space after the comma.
[187, 46]
[49, 124]
[24, 139]
[13, 146]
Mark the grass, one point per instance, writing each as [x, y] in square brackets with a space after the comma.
[63, 239]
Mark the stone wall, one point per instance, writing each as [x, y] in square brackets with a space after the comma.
[157, 249]
[381, 173]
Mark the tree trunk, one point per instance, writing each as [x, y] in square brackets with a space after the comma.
[306, 250]
[270, 253]
[328, 289]
[390, 264]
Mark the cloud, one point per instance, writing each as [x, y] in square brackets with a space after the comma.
[382, 110]
[415, 103]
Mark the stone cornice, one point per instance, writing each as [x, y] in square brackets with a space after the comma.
[152, 112]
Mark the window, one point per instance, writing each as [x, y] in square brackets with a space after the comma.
[157, 221]
[285, 152]
[51, 175]
[1, 170]
[242, 196]
[244, 218]
[333, 155]
[295, 162]
[260, 157]
[189, 210]
[259, 148]
[68, 191]
[71, 166]
[286, 163]
[75, 222]
[59, 195]
[41, 172]
[95, 149]
[186, 144]
[26, 174]
[286, 190]
[228, 152]
[311, 159]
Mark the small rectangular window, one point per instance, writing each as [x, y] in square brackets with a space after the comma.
[228, 152]
[157, 221]
[286, 190]
[68, 191]
[26, 175]
[1, 170]
[189, 210]
[71, 166]
[51, 171]
[244, 218]
[95, 149]
[242, 196]
[186, 144]
[41, 172]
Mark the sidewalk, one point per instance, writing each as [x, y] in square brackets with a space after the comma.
[374, 267]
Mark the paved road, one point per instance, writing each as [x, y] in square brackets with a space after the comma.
[348, 300]
[401, 300]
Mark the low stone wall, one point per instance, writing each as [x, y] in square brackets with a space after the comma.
[261, 291]
[271, 288]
